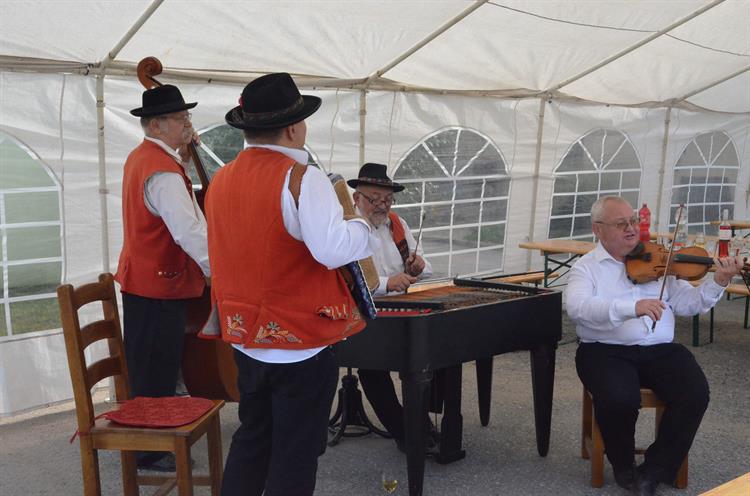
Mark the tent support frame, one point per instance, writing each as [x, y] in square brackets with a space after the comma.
[535, 176]
[662, 169]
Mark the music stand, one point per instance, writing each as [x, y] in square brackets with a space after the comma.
[351, 413]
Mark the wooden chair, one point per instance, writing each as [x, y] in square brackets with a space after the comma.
[102, 434]
[592, 444]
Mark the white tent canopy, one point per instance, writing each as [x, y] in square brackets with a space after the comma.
[536, 81]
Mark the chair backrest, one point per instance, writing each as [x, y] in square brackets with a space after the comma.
[78, 338]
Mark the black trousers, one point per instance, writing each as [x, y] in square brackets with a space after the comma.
[283, 413]
[615, 373]
[154, 333]
[381, 393]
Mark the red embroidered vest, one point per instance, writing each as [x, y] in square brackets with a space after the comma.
[269, 290]
[151, 263]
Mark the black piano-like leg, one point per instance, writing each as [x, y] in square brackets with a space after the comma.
[414, 390]
[484, 388]
[451, 427]
[543, 379]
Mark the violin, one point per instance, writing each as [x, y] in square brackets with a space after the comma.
[649, 261]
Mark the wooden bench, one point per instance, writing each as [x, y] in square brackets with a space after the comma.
[524, 278]
[737, 487]
[732, 289]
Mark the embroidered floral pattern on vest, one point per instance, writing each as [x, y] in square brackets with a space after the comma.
[273, 333]
[234, 327]
[337, 312]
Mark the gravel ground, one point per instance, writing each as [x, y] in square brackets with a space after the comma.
[501, 459]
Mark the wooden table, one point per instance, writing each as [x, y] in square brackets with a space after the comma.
[736, 225]
[737, 487]
[549, 248]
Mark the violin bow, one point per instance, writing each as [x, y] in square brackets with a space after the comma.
[669, 257]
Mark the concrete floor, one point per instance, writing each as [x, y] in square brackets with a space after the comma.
[36, 458]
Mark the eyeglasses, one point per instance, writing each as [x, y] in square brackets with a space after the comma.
[178, 117]
[621, 224]
[387, 201]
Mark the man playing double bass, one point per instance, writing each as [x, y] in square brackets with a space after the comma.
[276, 233]
[164, 257]
[619, 352]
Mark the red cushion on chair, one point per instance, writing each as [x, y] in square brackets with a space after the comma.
[169, 411]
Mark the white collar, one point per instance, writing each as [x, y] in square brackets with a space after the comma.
[300, 156]
[600, 254]
[172, 153]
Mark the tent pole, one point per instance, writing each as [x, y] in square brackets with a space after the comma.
[663, 168]
[103, 191]
[442, 29]
[634, 47]
[362, 123]
[131, 32]
[535, 191]
[715, 83]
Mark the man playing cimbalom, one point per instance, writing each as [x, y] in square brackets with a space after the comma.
[398, 266]
[619, 353]
[276, 234]
[164, 258]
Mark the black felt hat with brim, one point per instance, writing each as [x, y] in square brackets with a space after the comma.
[162, 100]
[271, 101]
[375, 174]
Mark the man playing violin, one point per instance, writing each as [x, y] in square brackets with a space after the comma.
[399, 266]
[276, 233]
[619, 353]
[164, 257]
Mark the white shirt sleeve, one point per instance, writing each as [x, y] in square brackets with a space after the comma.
[687, 300]
[332, 241]
[166, 196]
[595, 312]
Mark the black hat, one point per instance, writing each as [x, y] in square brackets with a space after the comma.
[271, 101]
[375, 174]
[162, 100]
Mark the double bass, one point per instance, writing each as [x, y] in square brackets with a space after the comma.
[208, 367]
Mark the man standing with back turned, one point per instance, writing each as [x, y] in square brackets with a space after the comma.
[619, 353]
[276, 234]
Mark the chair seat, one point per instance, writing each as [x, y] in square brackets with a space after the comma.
[592, 444]
[107, 434]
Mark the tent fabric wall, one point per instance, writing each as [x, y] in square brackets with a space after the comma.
[515, 71]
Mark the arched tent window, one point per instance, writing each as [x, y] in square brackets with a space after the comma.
[457, 178]
[603, 162]
[705, 179]
[31, 249]
[220, 144]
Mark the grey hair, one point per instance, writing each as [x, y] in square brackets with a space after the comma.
[597, 209]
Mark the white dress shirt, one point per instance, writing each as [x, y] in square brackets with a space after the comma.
[388, 261]
[601, 300]
[164, 195]
[318, 223]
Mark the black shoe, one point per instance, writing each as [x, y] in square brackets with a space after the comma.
[647, 486]
[626, 478]
[166, 463]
